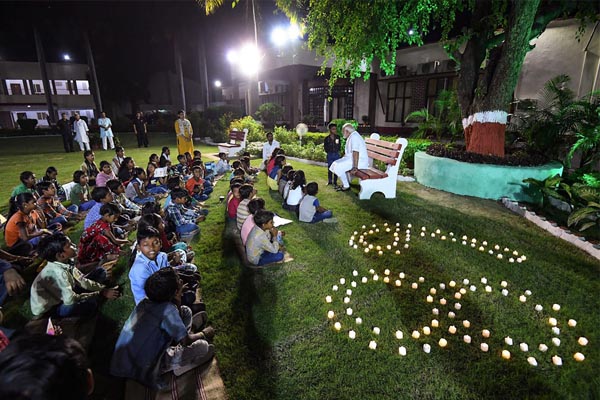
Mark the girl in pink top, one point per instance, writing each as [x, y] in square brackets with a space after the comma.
[106, 174]
[253, 206]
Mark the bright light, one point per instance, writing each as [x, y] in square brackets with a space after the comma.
[66, 57]
[411, 32]
[278, 36]
[294, 32]
[218, 83]
[232, 56]
[250, 58]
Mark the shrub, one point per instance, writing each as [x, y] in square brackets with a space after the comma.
[256, 132]
[255, 149]
[269, 113]
[285, 136]
[310, 151]
[27, 125]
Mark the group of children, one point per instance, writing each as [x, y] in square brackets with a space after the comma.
[112, 201]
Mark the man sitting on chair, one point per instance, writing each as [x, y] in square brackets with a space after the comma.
[355, 157]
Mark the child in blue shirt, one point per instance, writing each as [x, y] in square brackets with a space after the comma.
[310, 209]
[148, 260]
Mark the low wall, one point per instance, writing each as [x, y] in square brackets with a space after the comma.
[486, 181]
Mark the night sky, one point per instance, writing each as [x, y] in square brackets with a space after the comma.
[132, 40]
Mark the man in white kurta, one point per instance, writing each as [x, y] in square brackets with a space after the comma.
[106, 132]
[355, 157]
[268, 148]
[81, 133]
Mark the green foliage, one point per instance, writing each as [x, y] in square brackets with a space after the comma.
[549, 187]
[588, 133]
[308, 151]
[445, 122]
[269, 113]
[213, 122]
[286, 136]
[256, 132]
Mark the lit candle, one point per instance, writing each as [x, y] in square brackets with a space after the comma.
[432, 234]
[508, 340]
[442, 286]
[443, 301]
[504, 292]
[415, 334]
[435, 311]
[349, 311]
[376, 330]
[386, 279]
[457, 295]
[452, 329]
[506, 354]
[352, 335]
[398, 282]
[556, 341]
[358, 320]
[488, 289]
[524, 347]
[467, 339]
[528, 293]
[484, 347]
[397, 252]
[375, 277]
[538, 307]
[452, 284]
[457, 306]
[582, 341]
[451, 315]
[435, 323]
[443, 342]
[399, 335]
[421, 279]
[481, 248]
[355, 273]
[432, 291]
[346, 300]
[485, 333]
[504, 284]
[543, 348]
[402, 350]
[373, 345]
[364, 279]
[328, 299]
[334, 288]
[386, 272]
[484, 280]
[353, 284]
[522, 298]
[572, 323]
[552, 321]
[499, 256]
[578, 357]
[556, 330]
[556, 360]
[426, 348]
[349, 292]
[463, 291]
[472, 288]
[342, 281]
[414, 285]
[337, 326]
[426, 330]
[330, 314]
[532, 361]
[466, 323]
[429, 299]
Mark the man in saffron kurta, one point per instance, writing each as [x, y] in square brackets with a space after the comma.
[183, 129]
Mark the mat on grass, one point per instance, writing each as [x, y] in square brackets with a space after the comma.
[202, 383]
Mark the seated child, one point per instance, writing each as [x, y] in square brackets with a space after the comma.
[50, 176]
[89, 166]
[195, 185]
[296, 192]
[101, 196]
[245, 160]
[49, 204]
[165, 155]
[98, 241]
[135, 190]
[80, 193]
[288, 185]
[233, 201]
[148, 260]
[222, 165]
[27, 184]
[25, 227]
[285, 171]
[182, 168]
[118, 159]
[184, 219]
[158, 337]
[275, 174]
[155, 185]
[262, 246]
[11, 281]
[310, 209]
[125, 173]
[106, 174]
[254, 205]
[126, 206]
[271, 163]
[247, 192]
[237, 164]
[52, 291]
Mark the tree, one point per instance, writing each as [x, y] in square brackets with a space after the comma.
[351, 34]
[269, 113]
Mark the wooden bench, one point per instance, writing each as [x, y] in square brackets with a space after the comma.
[237, 142]
[373, 179]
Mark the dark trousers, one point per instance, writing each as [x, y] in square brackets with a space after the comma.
[142, 138]
[68, 142]
[331, 157]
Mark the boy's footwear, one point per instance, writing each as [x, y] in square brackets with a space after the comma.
[342, 189]
[332, 220]
[209, 333]
[199, 320]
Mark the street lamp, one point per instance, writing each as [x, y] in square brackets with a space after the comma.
[66, 57]
[218, 83]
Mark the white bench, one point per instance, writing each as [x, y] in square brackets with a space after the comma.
[374, 180]
[237, 142]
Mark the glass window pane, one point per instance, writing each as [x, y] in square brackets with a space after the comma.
[390, 110]
[406, 106]
[398, 112]
[408, 89]
[391, 90]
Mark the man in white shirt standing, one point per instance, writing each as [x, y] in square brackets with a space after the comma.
[268, 148]
[105, 125]
[355, 157]
[81, 133]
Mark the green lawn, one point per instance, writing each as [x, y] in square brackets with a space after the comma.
[274, 339]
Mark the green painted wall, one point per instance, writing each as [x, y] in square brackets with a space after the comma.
[486, 181]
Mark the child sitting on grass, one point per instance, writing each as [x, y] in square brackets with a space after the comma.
[310, 209]
[80, 193]
[155, 185]
[148, 260]
[262, 246]
[254, 205]
[158, 337]
[247, 192]
[296, 192]
[126, 206]
[233, 200]
[53, 290]
[25, 227]
[101, 196]
[136, 190]
[50, 176]
[53, 210]
[275, 174]
[98, 240]
[285, 172]
[184, 219]
[89, 166]
[106, 174]
[118, 159]
[182, 168]
[222, 165]
[195, 185]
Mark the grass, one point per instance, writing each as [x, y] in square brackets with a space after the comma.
[275, 341]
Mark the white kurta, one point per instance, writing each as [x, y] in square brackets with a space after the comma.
[81, 130]
[340, 167]
[102, 123]
[268, 149]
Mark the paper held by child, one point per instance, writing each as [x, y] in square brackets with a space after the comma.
[161, 172]
[278, 221]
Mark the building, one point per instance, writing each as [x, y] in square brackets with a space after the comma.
[22, 91]
[291, 79]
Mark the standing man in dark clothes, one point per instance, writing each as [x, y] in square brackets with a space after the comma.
[139, 127]
[65, 128]
[332, 148]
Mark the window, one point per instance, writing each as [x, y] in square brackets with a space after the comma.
[42, 116]
[316, 102]
[341, 105]
[37, 87]
[398, 101]
[434, 87]
[15, 86]
[62, 87]
[83, 87]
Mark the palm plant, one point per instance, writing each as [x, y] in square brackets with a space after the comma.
[552, 186]
[587, 132]
[445, 121]
[588, 215]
